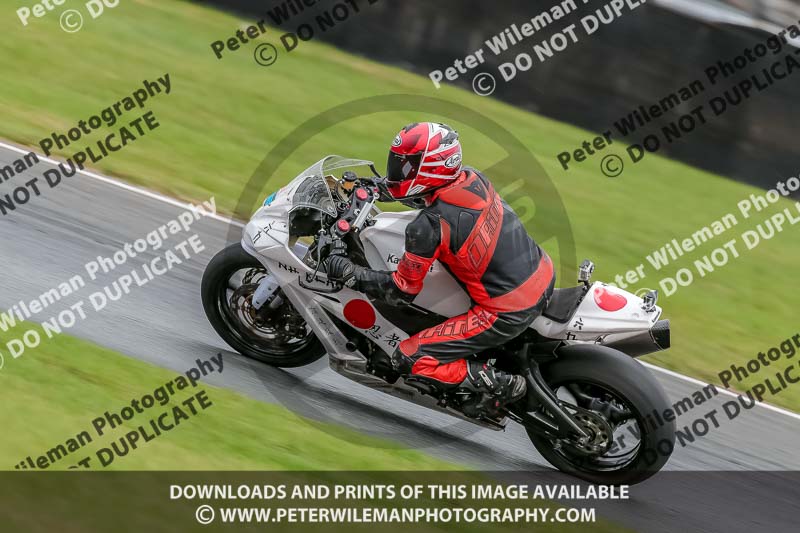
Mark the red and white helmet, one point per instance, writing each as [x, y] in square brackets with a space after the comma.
[424, 156]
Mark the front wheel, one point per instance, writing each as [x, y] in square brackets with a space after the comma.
[612, 396]
[278, 336]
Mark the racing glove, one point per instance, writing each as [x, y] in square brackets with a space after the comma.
[376, 284]
[340, 268]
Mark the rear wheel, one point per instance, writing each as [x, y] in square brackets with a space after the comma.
[277, 335]
[610, 395]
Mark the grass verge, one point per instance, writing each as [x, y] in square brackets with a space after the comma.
[52, 393]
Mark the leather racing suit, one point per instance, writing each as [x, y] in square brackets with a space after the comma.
[483, 244]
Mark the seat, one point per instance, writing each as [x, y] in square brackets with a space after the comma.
[563, 303]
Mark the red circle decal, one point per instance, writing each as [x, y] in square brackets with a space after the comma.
[360, 313]
[609, 301]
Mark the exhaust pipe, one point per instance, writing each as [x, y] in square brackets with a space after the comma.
[653, 340]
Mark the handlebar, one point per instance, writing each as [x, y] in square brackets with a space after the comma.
[327, 245]
[355, 210]
[376, 182]
[383, 191]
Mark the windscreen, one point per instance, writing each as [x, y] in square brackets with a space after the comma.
[313, 190]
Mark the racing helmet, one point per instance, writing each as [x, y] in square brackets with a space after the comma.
[424, 156]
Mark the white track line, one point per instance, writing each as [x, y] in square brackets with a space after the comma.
[126, 186]
[723, 391]
[185, 205]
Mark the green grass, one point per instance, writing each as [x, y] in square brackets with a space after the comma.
[223, 116]
[53, 392]
[56, 390]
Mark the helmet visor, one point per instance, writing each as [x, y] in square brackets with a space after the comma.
[400, 171]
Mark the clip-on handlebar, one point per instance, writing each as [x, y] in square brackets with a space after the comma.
[327, 245]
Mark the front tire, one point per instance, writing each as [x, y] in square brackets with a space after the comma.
[223, 303]
[602, 368]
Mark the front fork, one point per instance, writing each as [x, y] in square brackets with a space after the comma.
[267, 288]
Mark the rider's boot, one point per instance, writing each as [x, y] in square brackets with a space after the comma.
[495, 389]
[492, 389]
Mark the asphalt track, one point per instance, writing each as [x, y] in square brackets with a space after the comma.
[54, 235]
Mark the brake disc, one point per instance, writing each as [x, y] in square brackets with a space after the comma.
[600, 433]
[242, 306]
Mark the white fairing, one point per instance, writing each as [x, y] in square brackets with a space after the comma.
[267, 237]
[385, 243]
[593, 323]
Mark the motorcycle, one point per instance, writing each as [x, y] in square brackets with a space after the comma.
[589, 403]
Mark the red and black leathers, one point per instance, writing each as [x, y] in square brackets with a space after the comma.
[482, 242]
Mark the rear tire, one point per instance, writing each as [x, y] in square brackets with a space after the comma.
[214, 286]
[630, 380]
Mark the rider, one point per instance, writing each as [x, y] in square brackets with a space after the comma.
[464, 224]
